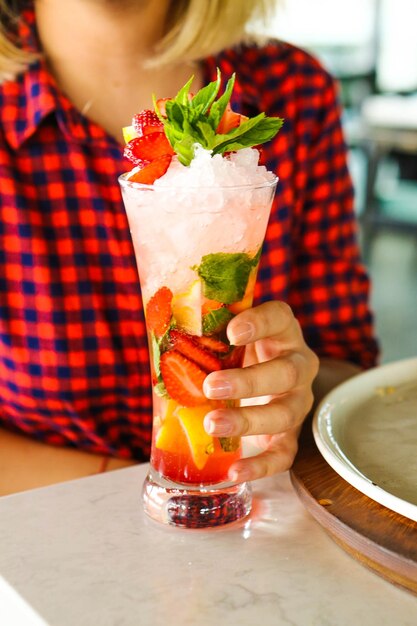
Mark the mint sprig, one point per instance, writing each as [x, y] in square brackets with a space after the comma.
[225, 275]
[190, 120]
[216, 321]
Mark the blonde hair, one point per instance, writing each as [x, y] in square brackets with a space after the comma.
[196, 29]
[12, 59]
[200, 28]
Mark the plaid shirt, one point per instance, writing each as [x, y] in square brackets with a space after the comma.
[73, 352]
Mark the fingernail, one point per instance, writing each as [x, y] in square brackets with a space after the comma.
[219, 427]
[241, 333]
[240, 476]
[217, 389]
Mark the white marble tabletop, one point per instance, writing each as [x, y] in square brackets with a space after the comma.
[83, 554]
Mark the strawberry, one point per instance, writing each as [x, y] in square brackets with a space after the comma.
[261, 155]
[188, 346]
[183, 379]
[158, 311]
[151, 171]
[147, 148]
[160, 105]
[147, 122]
[235, 358]
[129, 154]
[215, 345]
[229, 121]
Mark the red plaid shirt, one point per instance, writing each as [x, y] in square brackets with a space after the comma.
[73, 353]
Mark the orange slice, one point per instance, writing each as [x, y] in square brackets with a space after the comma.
[183, 428]
[186, 309]
[201, 443]
[170, 435]
[170, 432]
[129, 133]
[247, 299]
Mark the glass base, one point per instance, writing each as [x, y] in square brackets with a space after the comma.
[195, 506]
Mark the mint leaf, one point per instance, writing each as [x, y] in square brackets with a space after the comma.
[158, 347]
[182, 95]
[204, 98]
[184, 149]
[225, 275]
[219, 107]
[250, 133]
[160, 390]
[207, 133]
[243, 128]
[216, 321]
[176, 115]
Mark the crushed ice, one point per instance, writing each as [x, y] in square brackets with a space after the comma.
[207, 170]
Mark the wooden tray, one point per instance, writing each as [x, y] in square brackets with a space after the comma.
[379, 538]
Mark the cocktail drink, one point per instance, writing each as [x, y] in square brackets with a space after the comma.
[197, 232]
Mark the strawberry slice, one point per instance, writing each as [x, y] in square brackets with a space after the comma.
[160, 105]
[158, 311]
[183, 379]
[147, 148]
[261, 155]
[130, 155]
[229, 121]
[215, 345]
[188, 346]
[147, 122]
[235, 358]
[151, 171]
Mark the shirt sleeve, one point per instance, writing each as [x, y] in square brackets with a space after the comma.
[329, 285]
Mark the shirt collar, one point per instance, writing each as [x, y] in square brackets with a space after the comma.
[27, 102]
[34, 95]
[29, 98]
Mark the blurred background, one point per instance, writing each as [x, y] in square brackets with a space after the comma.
[370, 46]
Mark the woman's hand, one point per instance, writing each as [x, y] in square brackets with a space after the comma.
[278, 364]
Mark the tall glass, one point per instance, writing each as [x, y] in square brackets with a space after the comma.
[197, 251]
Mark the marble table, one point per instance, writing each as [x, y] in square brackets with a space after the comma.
[82, 553]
